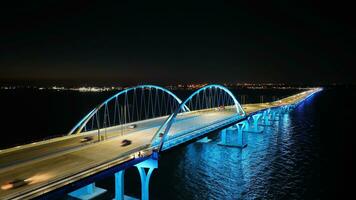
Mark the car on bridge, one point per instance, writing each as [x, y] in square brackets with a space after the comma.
[220, 108]
[15, 184]
[86, 139]
[132, 126]
[125, 142]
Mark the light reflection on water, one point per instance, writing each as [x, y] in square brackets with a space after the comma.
[272, 166]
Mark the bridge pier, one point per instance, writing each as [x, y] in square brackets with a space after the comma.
[223, 137]
[265, 118]
[287, 108]
[291, 107]
[254, 122]
[87, 192]
[119, 186]
[275, 114]
[283, 109]
[151, 164]
[241, 136]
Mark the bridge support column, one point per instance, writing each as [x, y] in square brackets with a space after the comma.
[283, 109]
[287, 108]
[265, 118]
[241, 137]
[275, 115]
[87, 192]
[254, 122]
[119, 186]
[223, 136]
[291, 107]
[149, 164]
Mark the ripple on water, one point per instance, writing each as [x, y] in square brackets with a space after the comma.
[271, 167]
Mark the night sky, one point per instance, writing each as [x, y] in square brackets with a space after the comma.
[176, 42]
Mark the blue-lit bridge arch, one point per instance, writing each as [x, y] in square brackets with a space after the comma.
[132, 104]
[208, 98]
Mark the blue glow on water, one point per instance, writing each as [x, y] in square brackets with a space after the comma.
[273, 166]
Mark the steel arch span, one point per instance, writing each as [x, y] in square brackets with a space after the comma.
[136, 103]
[210, 97]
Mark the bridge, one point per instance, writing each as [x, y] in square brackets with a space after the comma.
[130, 129]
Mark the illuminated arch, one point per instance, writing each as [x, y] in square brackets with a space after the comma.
[168, 123]
[80, 125]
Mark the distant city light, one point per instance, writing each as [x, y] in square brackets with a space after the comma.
[190, 86]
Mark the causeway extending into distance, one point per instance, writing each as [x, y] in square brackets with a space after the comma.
[130, 129]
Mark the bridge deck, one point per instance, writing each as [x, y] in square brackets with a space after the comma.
[46, 163]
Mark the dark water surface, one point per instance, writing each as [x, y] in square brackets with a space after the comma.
[305, 155]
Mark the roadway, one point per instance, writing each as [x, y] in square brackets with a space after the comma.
[45, 163]
[41, 171]
[38, 150]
